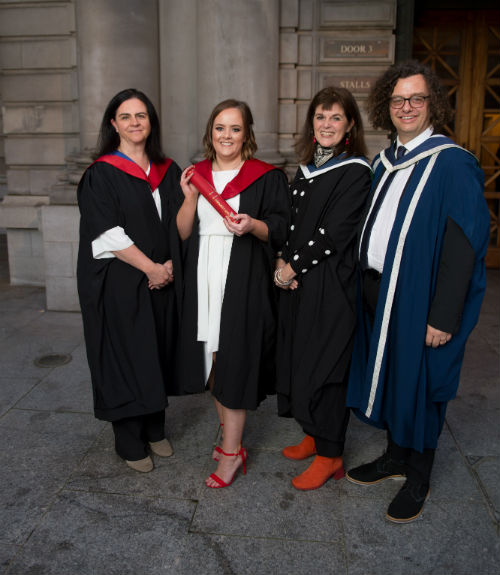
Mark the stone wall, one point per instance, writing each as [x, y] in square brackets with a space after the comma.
[40, 121]
[3, 175]
[62, 60]
[210, 51]
[331, 42]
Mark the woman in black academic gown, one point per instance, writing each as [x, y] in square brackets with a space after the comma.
[128, 201]
[316, 273]
[229, 310]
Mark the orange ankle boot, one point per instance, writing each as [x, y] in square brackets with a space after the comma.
[303, 450]
[319, 472]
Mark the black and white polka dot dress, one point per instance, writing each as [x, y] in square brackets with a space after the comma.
[316, 321]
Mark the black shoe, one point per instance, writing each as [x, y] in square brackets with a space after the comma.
[382, 468]
[408, 503]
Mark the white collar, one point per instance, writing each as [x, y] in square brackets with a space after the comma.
[331, 166]
[412, 144]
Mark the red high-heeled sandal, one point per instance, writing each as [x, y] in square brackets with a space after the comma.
[244, 455]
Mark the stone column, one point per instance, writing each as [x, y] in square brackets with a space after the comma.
[179, 80]
[117, 45]
[213, 50]
[117, 49]
[238, 56]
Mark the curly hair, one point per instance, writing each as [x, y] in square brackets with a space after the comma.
[326, 98]
[108, 140]
[249, 145]
[378, 100]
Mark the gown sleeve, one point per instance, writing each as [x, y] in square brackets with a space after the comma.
[454, 274]
[466, 236]
[98, 201]
[276, 208]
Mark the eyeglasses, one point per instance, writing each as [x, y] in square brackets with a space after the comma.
[415, 101]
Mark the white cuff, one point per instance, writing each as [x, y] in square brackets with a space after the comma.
[110, 241]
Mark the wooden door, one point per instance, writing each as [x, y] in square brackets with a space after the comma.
[463, 47]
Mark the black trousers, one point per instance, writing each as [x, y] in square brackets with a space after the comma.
[327, 448]
[338, 417]
[418, 465]
[132, 434]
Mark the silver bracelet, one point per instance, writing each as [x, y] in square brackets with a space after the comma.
[279, 281]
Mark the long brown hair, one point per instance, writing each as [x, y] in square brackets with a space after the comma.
[326, 98]
[108, 140]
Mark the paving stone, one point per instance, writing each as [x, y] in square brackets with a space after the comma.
[12, 390]
[480, 361]
[279, 510]
[265, 430]
[90, 533]
[7, 553]
[191, 427]
[488, 471]
[452, 475]
[19, 351]
[250, 556]
[364, 443]
[65, 388]
[19, 299]
[180, 475]
[478, 403]
[60, 324]
[19, 306]
[39, 452]
[446, 539]
[70, 505]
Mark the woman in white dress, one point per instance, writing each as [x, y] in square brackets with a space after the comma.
[229, 310]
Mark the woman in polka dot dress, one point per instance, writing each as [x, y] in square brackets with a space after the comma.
[316, 274]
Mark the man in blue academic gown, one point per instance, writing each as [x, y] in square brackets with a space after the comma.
[421, 251]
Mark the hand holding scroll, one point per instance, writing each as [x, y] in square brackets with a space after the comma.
[244, 225]
[211, 195]
[190, 192]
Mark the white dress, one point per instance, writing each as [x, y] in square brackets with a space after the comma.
[213, 261]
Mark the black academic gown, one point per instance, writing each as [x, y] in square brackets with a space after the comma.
[316, 321]
[245, 366]
[129, 329]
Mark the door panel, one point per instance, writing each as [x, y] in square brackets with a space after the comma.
[463, 47]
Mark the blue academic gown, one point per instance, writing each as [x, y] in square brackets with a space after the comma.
[397, 382]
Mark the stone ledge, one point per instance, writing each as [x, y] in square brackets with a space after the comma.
[22, 211]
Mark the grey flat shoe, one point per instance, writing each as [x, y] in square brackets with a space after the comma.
[143, 465]
[161, 448]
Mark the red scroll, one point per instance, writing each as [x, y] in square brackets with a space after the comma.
[211, 195]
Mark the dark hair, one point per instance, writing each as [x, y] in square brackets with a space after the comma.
[249, 144]
[108, 140]
[326, 98]
[378, 100]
